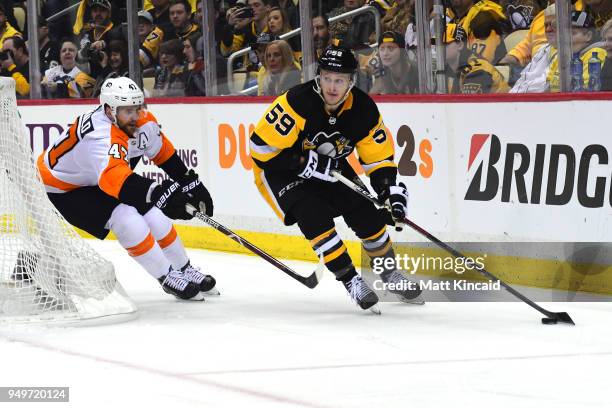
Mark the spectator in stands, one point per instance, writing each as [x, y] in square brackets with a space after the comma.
[14, 60]
[67, 80]
[282, 73]
[353, 31]
[397, 17]
[6, 29]
[584, 37]
[533, 77]
[534, 40]
[48, 48]
[520, 13]
[484, 23]
[149, 4]
[8, 6]
[256, 69]
[150, 37]
[219, 23]
[180, 17]
[320, 34]
[259, 47]
[160, 11]
[399, 74]
[145, 25]
[242, 29]
[60, 27]
[117, 15]
[383, 6]
[96, 34]
[467, 72]
[199, 14]
[601, 10]
[606, 73]
[195, 85]
[171, 76]
[278, 24]
[114, 64]
[291, 9]
[219, 17]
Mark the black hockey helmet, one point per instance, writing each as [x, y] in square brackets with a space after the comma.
[337, 59]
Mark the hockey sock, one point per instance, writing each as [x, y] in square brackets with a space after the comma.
[379, 246]
[134, 235]
[150, 256]
[335, 256]
[165, 234]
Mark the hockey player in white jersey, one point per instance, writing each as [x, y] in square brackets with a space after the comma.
[88, 178]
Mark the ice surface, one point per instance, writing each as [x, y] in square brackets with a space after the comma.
[269, 341]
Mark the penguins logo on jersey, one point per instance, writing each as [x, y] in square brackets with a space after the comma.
[333, 145]
[520, 15]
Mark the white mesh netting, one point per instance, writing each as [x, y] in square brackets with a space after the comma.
[47, 271]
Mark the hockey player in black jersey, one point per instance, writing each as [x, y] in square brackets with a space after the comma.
[304, 135]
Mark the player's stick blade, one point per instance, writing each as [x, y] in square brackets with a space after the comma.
[558, 317]
[314, 278]
[418, 301]
[374, 309]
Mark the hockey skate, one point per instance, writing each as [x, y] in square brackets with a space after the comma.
[361, 294]
[178, 285]
[206, 283]
[404, 286]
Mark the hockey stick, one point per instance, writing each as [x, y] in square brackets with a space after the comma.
[310, 281]
[551, 317]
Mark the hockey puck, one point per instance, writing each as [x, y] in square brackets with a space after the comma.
[549, 320]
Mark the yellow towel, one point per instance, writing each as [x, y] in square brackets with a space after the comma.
[78, 23]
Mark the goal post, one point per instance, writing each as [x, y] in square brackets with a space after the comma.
[47, 271]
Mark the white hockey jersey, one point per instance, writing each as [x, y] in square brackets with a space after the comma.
[149, 140]
[94, 151]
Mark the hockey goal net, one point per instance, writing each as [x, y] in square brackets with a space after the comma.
[47, 271]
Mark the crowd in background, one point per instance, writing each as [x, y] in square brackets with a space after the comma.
[490, 46]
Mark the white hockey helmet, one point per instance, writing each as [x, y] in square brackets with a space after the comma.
[120, 91]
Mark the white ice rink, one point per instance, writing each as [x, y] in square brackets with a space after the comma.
[268, 341]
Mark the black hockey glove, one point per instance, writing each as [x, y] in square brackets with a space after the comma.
[397, 198]
[199, 196]
[318, 166]
[169, 198]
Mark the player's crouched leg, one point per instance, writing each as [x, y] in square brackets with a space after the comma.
[133, 233]
[369, 225]
[378, 247]
[316, 223]
[166, 236]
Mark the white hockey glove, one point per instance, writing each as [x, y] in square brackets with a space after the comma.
[397, 199]
[318, 166]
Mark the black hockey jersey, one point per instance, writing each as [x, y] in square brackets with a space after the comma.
[297, 122]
